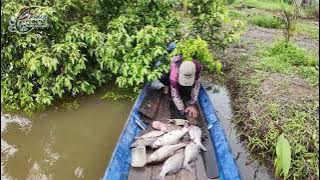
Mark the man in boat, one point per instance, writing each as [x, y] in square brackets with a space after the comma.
[184, 83]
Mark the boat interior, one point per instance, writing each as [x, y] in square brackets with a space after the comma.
[156, 108]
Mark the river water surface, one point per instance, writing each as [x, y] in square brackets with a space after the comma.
[62, 144]
[77, 144]
[249, 169]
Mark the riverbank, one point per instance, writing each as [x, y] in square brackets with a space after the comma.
[275, 90]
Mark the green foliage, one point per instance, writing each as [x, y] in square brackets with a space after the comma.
[87, 44]
[308, 29]
[311, 10]
[283, 160]
[196, 48]
[292, 54]
[209, 17]
[230, 1]
[288, 58]
[267, 21]
[290, 13]
[134, 42]
[90, 43]
[272, 5]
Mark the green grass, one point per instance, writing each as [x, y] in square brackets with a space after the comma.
[272, 5]
[287, 58]
[308, 29]
[237, 15]
[261, 118]
[310, 11]
[267, 21]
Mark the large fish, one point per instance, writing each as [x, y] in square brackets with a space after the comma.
[144, 142]
[151, 134]
[172, 164]
[170, 138]
[195, 135]
[179, 122]
[190, 153]
[164, 127]
[164, 152]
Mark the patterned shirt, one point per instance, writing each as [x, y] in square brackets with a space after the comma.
[175, 87]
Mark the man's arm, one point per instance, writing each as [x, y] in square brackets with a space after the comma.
[194, 93]
[195, 90]
[174, 86]
[177, 99]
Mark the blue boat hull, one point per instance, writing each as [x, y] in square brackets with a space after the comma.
[119, 164]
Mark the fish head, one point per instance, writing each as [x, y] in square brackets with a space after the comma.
[156, 144]
[183, 144]
[186, 127]
[195, 130]
[180, 151]
[151, 158]
[156, 124]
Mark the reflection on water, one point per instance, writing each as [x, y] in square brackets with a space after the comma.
[250, 170]
[61, 144]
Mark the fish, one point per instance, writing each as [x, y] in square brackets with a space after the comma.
[151, 134]
[195, 135]
[190, 153]
[179, 122]
[172, 164]
[170, 138]
[138, 156]
[163, 127]
[144, 142]
[164, 152]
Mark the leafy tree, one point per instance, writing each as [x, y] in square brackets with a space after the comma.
[209, 17]
[88, 43]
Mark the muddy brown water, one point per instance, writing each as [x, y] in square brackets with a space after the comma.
[62, 144]
[77, 144]
[249, 169]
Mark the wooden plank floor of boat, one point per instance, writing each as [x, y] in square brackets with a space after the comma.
[149, 172]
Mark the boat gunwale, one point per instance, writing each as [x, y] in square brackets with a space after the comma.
[225, 158]
[124, 130]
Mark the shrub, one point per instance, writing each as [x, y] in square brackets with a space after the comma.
[289, 13]
[84, 46]
[91, 43]
[267, 21]
[208, 19]
[196, 48]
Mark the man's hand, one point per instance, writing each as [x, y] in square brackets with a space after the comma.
[192, 111]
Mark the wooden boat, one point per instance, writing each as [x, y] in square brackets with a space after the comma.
[119, 167]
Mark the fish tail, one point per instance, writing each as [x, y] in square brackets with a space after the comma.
[187, 167]
[202, 147]
[149, 160]
[159, 177]
[133, 145]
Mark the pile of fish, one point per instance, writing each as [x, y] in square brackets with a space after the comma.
[165, 143]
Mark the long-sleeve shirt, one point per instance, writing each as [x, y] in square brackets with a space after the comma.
[175, 87]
